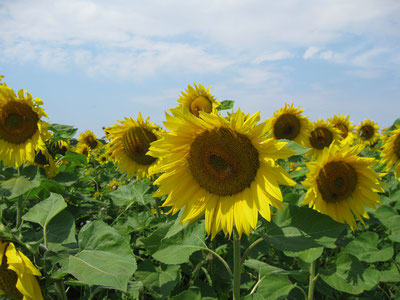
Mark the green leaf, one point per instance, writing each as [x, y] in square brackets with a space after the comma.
[159, 280]
[178, 248]
[348, 275]
[191, 294]
[63, 131]
[226, 104]
[308, 256]
[393, 223]
[134, 287]
[301, 228]
[75, 157]
[275, 287]
[108, 269]
[129, 193]
[365, 248]
[300, 150]
[266, 269]
[61, 232]
[19, 186]
[391, 275]
[44, 211]
[106, 257]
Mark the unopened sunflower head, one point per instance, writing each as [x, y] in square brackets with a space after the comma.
[340, 183]
[129, 143]
[391, 152]
[22, 132]
[367, 132]
[17, 274]
[223, 169]
[196, 99]
[288, 123]
[323, 134]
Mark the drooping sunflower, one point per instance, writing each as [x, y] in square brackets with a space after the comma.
[82, 148]
[323, 134]
[367, 132]
[340, 184]
[223, 169]
[129, 143]
[391, 152]
[197, 99]
[90, 139]
[344, 125]
[22, 132]
[288, 123]
[17, 274]
[44, 160]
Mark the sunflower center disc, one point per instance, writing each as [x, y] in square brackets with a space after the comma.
[321, 138]
[136, 142]
[8, 280]
[287, 126]
[223, 162]
[396, 146]
[18, 122]
[41, 159]
[366, 132]
[336, 181]
[343, 129]
[91, 142]
[201, 103]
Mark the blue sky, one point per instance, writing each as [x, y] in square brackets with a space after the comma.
[95, 62]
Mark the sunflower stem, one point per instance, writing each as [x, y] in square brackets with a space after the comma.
[236, 266]
[312, 280]
[19, 211]
[59, 285]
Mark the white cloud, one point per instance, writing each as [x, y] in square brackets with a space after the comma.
[273, 56]
[310, 52]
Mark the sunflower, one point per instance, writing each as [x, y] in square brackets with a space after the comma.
[391, 152]
[59, 147]
[322, 135]
[114, 185]
[44, 160]
[17, 274]
[90, 139]
[344, 125]
[367, 132]
[341, 183]
[198, 99]
[22, 132]
[129, 143]
[223, 169]
[288, 123]
[82, 148]
[103, 159]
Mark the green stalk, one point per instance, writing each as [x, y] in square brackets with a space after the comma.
[59, 285]
[312, 281]
[236, 266]
[19, 211]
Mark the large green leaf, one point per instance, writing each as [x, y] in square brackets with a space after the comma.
[365, 248]
[105, 259]
[63, 131]
[266, 269]
[348, 275]
[226, 104]
[273, 288]
[300, 150]
[132, 192]
[308, 255]
[178, 248]
[61, 232]
[301, 228]
[20, 185]
[393, 223]
[44, 211]
[108, 269]
[75, 157]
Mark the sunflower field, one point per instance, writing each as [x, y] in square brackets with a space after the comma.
[212, 204]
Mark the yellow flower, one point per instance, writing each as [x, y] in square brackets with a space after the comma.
[223, 169]
[288, 123]
[197, 99]
[344, 125]
[82, 148]
[90, 139]
[17, 274]
[367, 132]
[129, 143]
[341, 183]
[22, 132]
[97, 195]
[103, 159]
[322, 135]
[114, 185]
[391, 152]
